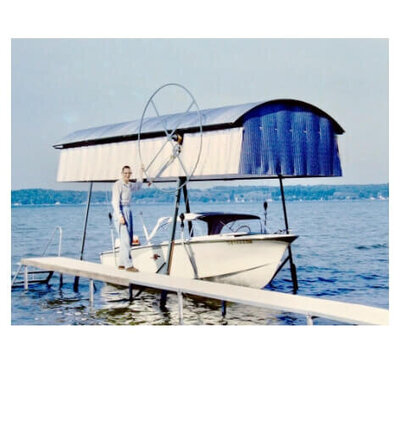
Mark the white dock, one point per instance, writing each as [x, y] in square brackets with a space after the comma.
[308, 306]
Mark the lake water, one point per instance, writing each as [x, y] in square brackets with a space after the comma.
[341, 254]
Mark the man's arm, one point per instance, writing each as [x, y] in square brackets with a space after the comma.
[137, 185]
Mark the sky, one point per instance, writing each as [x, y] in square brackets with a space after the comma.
[63, 85]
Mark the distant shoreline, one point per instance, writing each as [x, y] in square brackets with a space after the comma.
[217, 194]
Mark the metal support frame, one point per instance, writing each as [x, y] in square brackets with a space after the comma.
[187, 206]
[47, 280]
[280, 267]
[293, 270]
[76, 280]
[132, 296]
[174, 221]
[181, 186]
[180, 183]
[33, 280]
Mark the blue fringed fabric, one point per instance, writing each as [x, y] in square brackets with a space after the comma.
[289, 140]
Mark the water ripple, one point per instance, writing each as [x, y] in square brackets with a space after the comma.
[371, 247]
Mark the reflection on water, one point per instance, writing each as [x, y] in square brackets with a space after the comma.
[52, 305]
[146, 310]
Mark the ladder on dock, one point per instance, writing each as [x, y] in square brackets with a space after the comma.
[32, 277]
[38, 276]
[308, 306]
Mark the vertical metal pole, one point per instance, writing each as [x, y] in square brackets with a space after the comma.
[223, 308]
[59, 241]
[180, 307]
[76, 281]
[284, 204]
[49, 276]
[292, 265]
[26, 277]
[186, 199]
[91, 292]
[163, 299]
[174, 220]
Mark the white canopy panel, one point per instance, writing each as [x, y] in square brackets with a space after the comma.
[219, 155]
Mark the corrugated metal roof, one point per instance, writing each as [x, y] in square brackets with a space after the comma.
[210, 118]
[215, 118]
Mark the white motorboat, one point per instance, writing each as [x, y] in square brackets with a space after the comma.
[221, 247]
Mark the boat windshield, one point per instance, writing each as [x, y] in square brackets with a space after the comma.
[242, 226]
[218, 223]
[203, 224]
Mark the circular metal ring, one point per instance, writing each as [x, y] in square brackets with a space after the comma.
[173, 145]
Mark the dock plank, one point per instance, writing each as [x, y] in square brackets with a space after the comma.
[334, 310]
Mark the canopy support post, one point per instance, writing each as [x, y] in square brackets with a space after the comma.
[163, 299]
[76, 280]
[292, 265]
[186, 199]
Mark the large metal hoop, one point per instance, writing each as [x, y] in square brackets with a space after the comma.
[174, 139]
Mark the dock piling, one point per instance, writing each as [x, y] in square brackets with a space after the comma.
[180, 307]
[223, 308]
[91, 291]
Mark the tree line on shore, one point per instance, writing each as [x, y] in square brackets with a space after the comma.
[229, 194]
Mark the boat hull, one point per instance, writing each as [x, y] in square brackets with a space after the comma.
[249, 260]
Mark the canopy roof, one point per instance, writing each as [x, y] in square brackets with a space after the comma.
[284, 137]
[212, 119]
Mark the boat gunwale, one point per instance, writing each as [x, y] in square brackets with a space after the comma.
[289, 238]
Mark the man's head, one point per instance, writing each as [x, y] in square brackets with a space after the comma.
[126, 173]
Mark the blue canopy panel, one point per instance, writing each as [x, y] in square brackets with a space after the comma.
[289, 139]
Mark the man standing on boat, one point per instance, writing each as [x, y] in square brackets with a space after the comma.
[121, 202]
